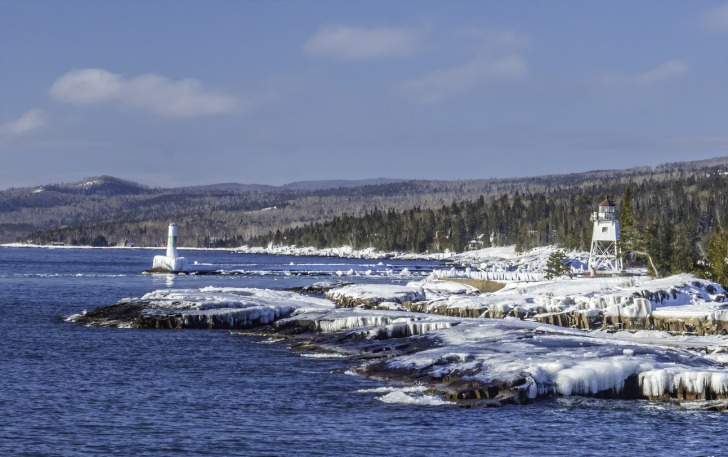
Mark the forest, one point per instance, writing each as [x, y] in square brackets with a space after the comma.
[668, 216]
[669, 213]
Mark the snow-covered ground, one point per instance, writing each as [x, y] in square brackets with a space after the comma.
[680, 303]
[346, 252]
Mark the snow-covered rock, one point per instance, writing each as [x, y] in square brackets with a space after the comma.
[680, 303]
[506, 360]
[209, 307]
[346, 252]
[514, 361]
[371, 295]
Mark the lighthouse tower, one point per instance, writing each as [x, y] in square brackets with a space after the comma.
[605, 252]
[171, 262]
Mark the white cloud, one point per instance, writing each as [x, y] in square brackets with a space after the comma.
[358, 43]
[32, 120]
[87, 86]
[183, 98]
[442, 83]
[716, 20]
[667, 70]
[148, 92]
[496, 57]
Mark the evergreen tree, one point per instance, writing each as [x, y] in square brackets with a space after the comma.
[557, 265]
[717, 256]
[629, 234]
[682, 257]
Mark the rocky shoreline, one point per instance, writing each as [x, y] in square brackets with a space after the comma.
[468, 359]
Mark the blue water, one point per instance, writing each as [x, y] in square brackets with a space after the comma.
[68, 390]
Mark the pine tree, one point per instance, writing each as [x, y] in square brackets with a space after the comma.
[717, 257]
[557, 265]
[629, 234]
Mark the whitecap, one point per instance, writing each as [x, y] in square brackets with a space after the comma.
[323, 355]
[402, 398]
[388, 389]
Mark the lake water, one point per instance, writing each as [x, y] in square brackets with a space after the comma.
[68, 390]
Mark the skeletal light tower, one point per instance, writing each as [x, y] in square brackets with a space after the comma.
[605, 254]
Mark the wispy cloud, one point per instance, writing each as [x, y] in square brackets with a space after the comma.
[359, 43]
[665, 71]
[445, 82]
[32, 120]
[716, 20]
[147, 92]
[497, 57]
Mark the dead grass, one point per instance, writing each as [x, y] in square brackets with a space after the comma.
[483, 285]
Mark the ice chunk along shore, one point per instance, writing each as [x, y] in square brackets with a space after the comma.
[209, 307]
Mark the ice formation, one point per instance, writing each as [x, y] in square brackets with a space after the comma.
[540, 360]
[528, 359]
[209, 307]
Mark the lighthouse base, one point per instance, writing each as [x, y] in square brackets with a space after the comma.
[171, 264]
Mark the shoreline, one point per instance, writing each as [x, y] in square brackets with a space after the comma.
[468, 361]
[343, 252]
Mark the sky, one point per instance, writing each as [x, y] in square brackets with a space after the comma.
[171, 93]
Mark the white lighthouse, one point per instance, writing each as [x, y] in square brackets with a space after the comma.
[605, 254]
[171, 262]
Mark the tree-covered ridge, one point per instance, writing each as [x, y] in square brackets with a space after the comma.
[668, 215]
[403, 215]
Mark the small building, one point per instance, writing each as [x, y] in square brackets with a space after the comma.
[605, 254]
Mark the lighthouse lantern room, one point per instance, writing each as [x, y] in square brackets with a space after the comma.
[605, 254]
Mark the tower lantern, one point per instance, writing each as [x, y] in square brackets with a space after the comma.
[605, 253]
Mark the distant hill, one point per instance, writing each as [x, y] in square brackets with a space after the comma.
[231, 214]
[339, 184]
[101, 185]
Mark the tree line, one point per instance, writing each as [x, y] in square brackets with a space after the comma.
[669, 212]
[669, 217]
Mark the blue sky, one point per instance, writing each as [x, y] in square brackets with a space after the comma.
[199, 92]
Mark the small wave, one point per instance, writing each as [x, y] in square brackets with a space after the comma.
[74, 317]
[62, 275]
[401, 398]
[270, 341]
[388, 389]
[323, 355]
